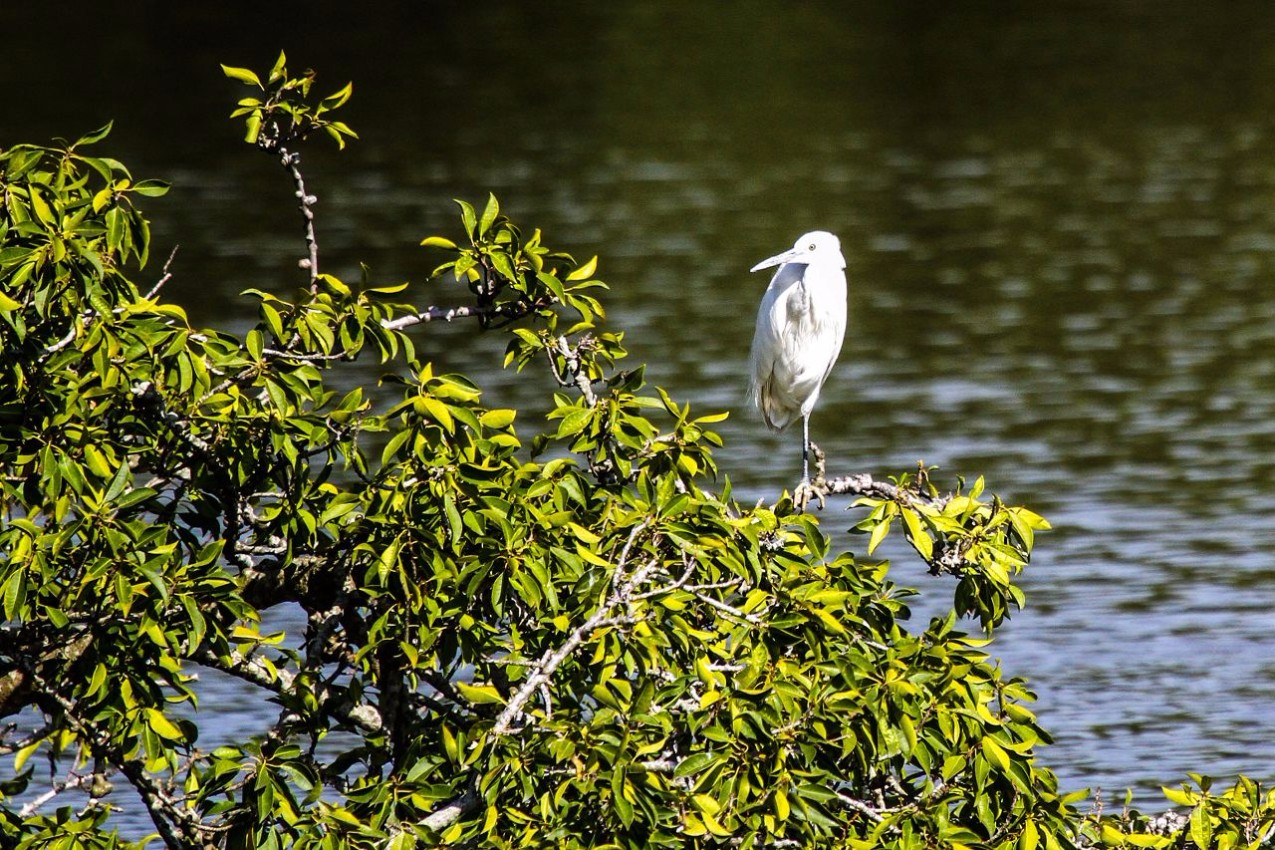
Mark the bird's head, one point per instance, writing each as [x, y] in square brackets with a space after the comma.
[817, 246]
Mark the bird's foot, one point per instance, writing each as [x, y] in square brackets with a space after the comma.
[818, 488]
[807, 490]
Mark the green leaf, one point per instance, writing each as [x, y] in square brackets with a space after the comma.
[489, 215]
[96, 461]
[279, 71]
[15, 594]
[1180, 796]
[254, 342]
[253, 128]
[694, 763]
[436, 410]
[469, 219]
[498, 419]
[585, 271]
[150, 188]
[115, 228]
[995, 753]
[95, 136]
[338, 98]
[243, 75]
[1030, 837]
[576, 420]
[917, 535]
[1201, 827]
[480, 694]
[879, 532]
[162, 725]
[451, 747]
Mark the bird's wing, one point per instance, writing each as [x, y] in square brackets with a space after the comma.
[772, 354]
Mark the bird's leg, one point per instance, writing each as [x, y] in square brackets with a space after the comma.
[805, 450]
[805, 489]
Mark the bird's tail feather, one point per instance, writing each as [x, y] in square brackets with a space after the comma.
[775, 413]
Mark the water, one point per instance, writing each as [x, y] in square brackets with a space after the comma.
[1060, 233]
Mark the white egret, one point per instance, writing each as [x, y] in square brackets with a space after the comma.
[800, 327]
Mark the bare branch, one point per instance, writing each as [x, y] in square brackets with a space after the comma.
[62, 343]
[662, 765]
[292, 355]
[364, 715]
[446, 815]
[863, 484]
[38, 735]
[860, 484]
[728, 610]
[543, 670]
[165, 277]
[72, 782]
[511, 311]
[576, 375]
[292, 161]
[86, 318]
[863, 808]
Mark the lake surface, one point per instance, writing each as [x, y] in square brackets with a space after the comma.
[1059, 225]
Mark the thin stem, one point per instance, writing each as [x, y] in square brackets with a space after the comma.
[292, 161]
[165, 277]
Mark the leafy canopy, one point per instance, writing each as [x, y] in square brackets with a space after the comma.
[517, 634]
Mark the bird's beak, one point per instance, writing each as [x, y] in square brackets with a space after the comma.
[787, 256]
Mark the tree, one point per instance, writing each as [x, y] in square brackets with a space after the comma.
[557, 635]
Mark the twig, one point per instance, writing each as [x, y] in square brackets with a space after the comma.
[68, 339]
[727, 609]
[863, 484]
[72, 781]
[38, 735]
[860, 484]
[363, 715]
[86, 318]
[290, 355]
[454, 810]
[681, 581]
[861, 807]
[175, 823]
[291, 161]
[576, 375]
[658, 765]
[165, 277]
[543, 669]
[448, 314]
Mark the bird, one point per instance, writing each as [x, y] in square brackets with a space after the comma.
[800, 327]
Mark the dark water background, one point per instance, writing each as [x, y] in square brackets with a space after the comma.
[1059, 222]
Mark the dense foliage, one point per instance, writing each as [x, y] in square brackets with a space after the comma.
[517, 634]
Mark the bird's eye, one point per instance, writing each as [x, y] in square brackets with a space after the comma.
[812, 247]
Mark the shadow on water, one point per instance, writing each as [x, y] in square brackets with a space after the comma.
[1059, 229]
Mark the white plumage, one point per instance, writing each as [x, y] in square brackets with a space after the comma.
[800, 327]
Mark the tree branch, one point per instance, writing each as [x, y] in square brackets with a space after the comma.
[176, 824]
[364, 715]
[165, 276]
[291, 160]
[72, 781]
[575, 374]
[543, 669]
[508, 310]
